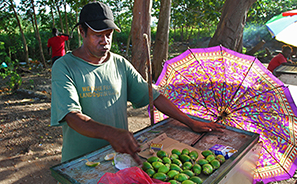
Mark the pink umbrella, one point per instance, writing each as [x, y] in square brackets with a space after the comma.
[234, 89]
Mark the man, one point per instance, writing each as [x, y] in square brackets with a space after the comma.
[91, 87]
[280, 59]
[57, 43]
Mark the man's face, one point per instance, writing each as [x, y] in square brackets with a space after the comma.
[98, 44]
[287, 53]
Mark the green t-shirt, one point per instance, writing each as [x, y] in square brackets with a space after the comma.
[98, 91]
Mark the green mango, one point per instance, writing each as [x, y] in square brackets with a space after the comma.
[220, 158]
[173, 182]
[185, 151]
[177, 162]
[166, 160]
[188, 172]
[207, 169]
[163, 169]
[209, 158]
[193, 155]
[157, 165]
[146, 165]
[154, 159]
[188, 182]
[184, 158]
[175, 151]
[202, 161]
[172, 173]
[196, 166]
[187, 165]
[160, 176]
[150, 172]
[215, 164]
[162, 154]
[175, 167]
[196, 169]
[205, 153]
[196, 179]
[181, 177]
[173, 156]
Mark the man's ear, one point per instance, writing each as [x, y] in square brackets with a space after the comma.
[81, 30]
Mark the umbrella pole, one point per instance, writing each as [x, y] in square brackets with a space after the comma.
[149, 74]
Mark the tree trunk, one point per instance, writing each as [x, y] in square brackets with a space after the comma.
[53, 17]
[229, 32]
[38, 35]
[182, 34]
[140, 25]
[78, 35]
[186, 33]
[66, 22]
[60, 17]
[33, 52]
[162, 38]
[174, 32]
[190, 34]
[26, 52]
[128, 43]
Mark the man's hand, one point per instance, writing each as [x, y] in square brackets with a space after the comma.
[168, 108]
[123, 141]
[198, 126]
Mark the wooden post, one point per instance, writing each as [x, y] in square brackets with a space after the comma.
[149, 74]
[140, 24]
[256, 48]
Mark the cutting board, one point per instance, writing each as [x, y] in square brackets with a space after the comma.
[168, 145]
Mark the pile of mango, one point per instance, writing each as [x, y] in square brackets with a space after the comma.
[182, 167]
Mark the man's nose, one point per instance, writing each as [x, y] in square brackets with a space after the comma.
[104, 40]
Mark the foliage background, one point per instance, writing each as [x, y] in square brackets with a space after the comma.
[191, 20]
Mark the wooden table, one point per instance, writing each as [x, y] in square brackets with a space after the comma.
[237, 169]
[287, 74]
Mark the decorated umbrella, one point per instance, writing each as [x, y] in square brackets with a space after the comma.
[234, 89]
[284, 27]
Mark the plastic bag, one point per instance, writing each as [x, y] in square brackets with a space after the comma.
[123, 161]
[128, 176]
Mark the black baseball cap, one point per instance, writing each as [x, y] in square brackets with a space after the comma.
[98, 17]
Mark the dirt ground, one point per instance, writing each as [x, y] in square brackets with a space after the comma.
[29, 146]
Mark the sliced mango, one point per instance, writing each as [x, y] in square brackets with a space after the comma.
[92, 164]
[109, 156]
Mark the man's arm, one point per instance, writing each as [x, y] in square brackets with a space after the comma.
[49, 51]
[69, 37]
[167, 107]
[121, 140]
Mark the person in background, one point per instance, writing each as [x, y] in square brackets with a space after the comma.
[57, 44]
[91, 87]
[281, 58]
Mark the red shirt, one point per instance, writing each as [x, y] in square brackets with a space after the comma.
[58, 45]
[276, 61]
